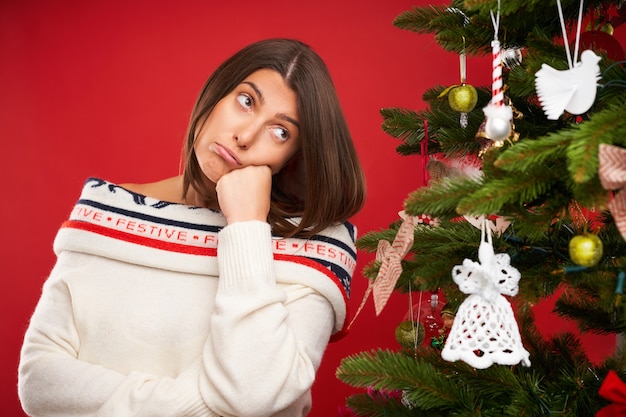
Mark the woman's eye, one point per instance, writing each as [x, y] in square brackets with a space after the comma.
[245, 101]
[281, 133]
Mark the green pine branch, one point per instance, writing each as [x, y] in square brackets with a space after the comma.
[544, 179]
[593, 312]
[449, 25]
[372, 405]
[442, 199]
[466, 25]
[560, 380]
[365, 370]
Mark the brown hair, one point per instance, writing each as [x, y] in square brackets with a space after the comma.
[323, 183]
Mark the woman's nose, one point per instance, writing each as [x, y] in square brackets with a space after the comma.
[246, 134]
[240, 142]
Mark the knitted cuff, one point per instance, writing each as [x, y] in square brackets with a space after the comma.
[245, 256]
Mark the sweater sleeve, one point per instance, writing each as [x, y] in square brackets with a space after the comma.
[266, 344]
[53, 381]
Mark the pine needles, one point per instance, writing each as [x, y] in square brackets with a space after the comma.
[545, 181]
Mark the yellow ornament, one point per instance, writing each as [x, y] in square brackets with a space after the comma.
[410, 334]
[462, 98]
[585, 250]
[608, 28]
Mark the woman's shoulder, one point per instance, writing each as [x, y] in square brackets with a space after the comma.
[161, 198]
[169, 189]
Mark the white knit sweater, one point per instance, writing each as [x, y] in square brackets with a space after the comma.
[157, 309]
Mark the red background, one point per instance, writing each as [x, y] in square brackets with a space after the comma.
[105, 89]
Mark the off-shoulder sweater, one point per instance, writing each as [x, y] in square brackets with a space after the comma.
[160, 309]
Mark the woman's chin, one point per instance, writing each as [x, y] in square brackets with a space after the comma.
[213, 174]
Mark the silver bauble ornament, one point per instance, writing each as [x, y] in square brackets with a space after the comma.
[498, 122]
[511, 57]
[497, 129]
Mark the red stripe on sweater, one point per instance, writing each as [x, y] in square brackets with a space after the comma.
[140, 240]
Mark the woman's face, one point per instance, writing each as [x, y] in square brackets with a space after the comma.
[255, 124]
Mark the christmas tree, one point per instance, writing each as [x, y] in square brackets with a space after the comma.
[523, 201]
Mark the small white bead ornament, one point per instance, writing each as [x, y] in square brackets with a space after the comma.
[485, 331]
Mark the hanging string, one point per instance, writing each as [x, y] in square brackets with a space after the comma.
[414, 322]
[565, 41]
[497, 92]
[495, 21]
[463, 63]
[578, 26]
[463, 69]
[563, 29]
[424, 150]
[419, 320]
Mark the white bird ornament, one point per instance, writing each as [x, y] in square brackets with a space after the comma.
[573, 90]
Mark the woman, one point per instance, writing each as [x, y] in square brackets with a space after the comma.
[213, 293]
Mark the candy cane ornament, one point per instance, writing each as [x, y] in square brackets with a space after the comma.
[497, 94]
[499, 116]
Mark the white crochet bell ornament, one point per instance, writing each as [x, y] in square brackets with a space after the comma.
[484, 331]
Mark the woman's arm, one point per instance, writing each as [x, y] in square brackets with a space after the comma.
[54, 382]
[266, 343]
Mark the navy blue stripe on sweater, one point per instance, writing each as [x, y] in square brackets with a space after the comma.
[147, 217]
[335, 242]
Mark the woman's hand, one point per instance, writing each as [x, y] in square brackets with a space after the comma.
[244, 194]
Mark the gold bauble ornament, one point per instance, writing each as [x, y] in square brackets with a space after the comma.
[462, 98]
[410, 334]
[608, 28]
[585, 250]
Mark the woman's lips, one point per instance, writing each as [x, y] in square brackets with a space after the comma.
[226, 154]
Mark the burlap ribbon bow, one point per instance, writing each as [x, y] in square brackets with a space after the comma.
[612, 173]
[390, 256]
[613, 389]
